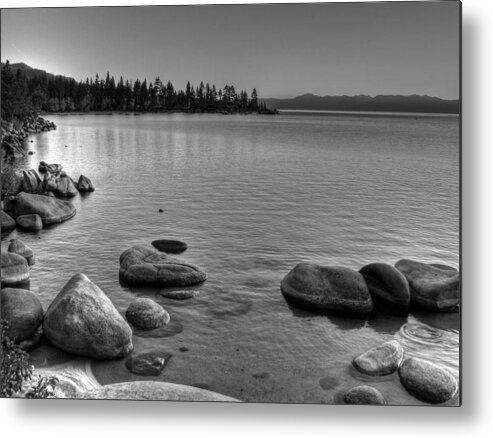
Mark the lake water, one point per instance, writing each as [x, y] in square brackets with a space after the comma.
[253, 196]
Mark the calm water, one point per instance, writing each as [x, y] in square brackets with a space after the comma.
[253, 196]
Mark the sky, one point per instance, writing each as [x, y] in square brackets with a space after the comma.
[283, 50]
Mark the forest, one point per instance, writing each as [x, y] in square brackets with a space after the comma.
[28, 90]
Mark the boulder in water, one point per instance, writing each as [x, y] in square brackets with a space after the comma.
[15, 270]
[144, 266]
[327, 289]
[179, 294]
[30, 222]
[169, 246]
[363, 395]
[85, 185]
[82, 320]
[427, 381]
[17, 246]
[24, 313]
[7, 223]
[433, 287]
[153, 390]
[388, 288]
[146, 314]
[51, 210]
[381, 360]
[31, 182]
[65, 187]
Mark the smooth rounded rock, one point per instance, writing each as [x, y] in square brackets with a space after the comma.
[363, 395]
[388, 288]
[17, 246]
[427, 381]
[179, 294]
[380, 361]
[433, 287]
[82, 320]
[327, 289]
[146, 314]
[24, 313]
[51, 210]
[152, 390]
[85, 185]
[7, 223]
[169, 246]
[30, 222]
[144, 266]
[15, 269]
[66, 187]
[148, 364]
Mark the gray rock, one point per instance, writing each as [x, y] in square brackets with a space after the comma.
[24, 313]
[31, 182]
[85, 185]
[427, 381]
[51, 210]
[17, 246]
[151, 390]
[433, 287]
[15, 270]
[82, 320]
[144, 266]
[169, 246]
[179, 294]
[381, 360]
[388, 288]
[7, 223]
[30, 222]
[146, 314]
[327, 289]
[148, 364]
[65, 187]
[363, 395]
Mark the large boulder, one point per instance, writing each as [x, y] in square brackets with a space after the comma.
[433, 287]
[85, 185]
[169, 246]
[153, 390]
[327, 289]
[363, 395]
[381, 360]
[7, 223]
[82, 320]
[51, 210]
[388, 288]
[427, 381]
[146, 314]
[15, 270]
[30, 222]
[24, 313]
[144, 266]
[31, 182]
[17, 246]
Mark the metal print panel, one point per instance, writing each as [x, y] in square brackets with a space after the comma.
[254, 203]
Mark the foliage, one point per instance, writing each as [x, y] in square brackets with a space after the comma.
[40, 91]
[16, 374]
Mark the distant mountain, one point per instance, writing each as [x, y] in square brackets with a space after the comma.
[393, 103]
[29, 71]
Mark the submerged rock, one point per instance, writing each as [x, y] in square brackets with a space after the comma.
[151, 390]
[327, 289]
[7, 223]
[85, 185]
[51, 210]
[179, 294]
[363, 395]
[388, 288]
[148, 364]
[427, 381]
[433, 287]
[24, 313]
[17, 246]
[381, 360]
[82, 320]
[30, 222]
[169, 246]
[144, 266]
[15, 269]
[146, 314]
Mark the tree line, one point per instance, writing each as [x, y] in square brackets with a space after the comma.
[22, 94]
